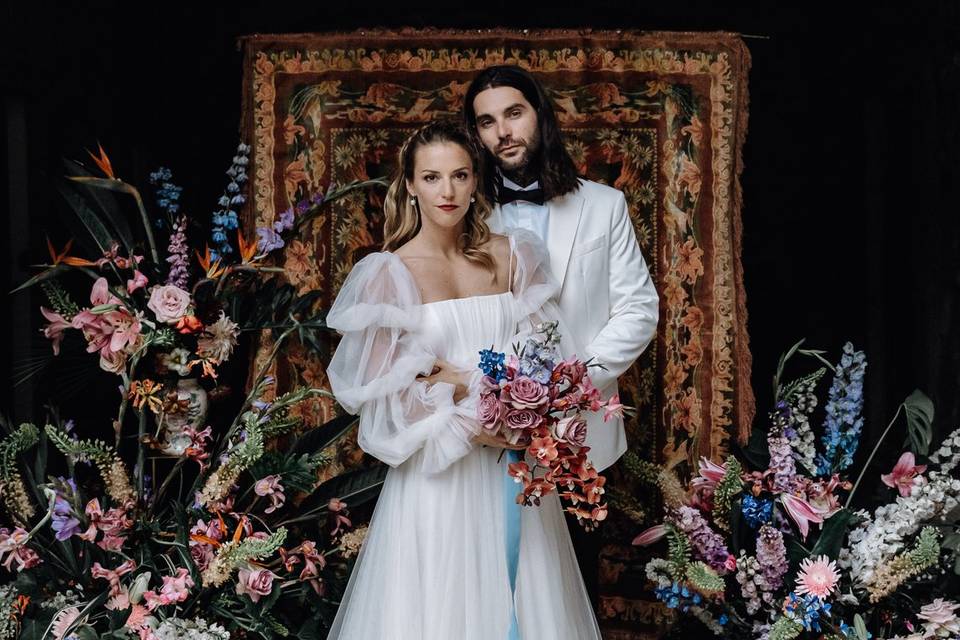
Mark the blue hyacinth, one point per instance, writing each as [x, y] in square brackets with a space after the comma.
[168, 194]
[844, 419]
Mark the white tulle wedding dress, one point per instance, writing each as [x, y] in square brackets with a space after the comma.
[443, 558]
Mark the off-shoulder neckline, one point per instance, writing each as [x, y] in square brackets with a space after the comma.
[417, 287]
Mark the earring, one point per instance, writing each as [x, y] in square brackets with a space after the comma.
[413, 200]
[472, 199]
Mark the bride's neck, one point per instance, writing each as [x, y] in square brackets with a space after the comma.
[439, 240]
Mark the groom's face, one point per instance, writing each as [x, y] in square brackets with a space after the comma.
[507, 126]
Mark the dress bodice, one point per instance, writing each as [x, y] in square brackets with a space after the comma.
[458, 328]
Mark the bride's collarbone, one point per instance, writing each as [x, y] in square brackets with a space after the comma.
[441, 279]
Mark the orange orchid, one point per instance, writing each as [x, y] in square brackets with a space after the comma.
[208, 369]
[214, 270]
[103, 162]
[63, 258]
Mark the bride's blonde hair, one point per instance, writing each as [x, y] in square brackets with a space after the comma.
[403, 218]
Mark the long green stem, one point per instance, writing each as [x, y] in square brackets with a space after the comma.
[141, 451]
[146, 226]
[866, 465]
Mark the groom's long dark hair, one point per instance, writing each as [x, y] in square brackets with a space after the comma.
[557, 172]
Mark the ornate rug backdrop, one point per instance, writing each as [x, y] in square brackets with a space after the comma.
[661, 116]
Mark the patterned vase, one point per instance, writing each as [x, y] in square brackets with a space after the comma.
[175, 440]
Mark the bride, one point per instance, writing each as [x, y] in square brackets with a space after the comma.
[449, 554]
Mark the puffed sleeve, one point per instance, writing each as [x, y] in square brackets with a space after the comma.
[374, 370]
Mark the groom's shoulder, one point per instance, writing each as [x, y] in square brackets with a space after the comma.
[597, 191]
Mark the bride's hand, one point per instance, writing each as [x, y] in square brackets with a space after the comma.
[498, 442]
[443, 371]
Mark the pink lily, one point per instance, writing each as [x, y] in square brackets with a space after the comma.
[54, 330]
[651, 535]
[802, 512]
[903, 474]
[137, 282]
[710, 474]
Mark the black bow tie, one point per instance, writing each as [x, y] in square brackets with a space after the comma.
[506, 195]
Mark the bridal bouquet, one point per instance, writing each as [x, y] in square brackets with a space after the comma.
[537, 399]
[766, 545]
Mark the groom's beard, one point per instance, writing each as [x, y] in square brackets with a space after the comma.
[523, 168]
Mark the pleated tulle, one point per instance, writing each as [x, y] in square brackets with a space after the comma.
[434, 563]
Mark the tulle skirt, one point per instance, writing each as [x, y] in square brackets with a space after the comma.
[434, 562]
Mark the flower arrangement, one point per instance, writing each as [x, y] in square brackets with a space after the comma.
[767, 546]
[536, 398]
[239, 538]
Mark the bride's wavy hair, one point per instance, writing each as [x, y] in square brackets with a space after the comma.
[403, 221]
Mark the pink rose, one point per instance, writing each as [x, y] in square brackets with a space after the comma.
[572, 429]
[527, 394]
[169, 303]
[490, 411]
[522, 419]
[256, 583]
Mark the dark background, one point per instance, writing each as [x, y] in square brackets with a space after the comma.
[850, 165]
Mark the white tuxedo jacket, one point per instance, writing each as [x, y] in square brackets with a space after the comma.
[607, 298]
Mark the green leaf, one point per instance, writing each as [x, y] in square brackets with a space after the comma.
[318, 439]
[104, 183]
[861, 627]
[40, 277]
[108, 205]
[780, 366]
[833, 534]
[353, 487]
[920, 412]
[95, 227]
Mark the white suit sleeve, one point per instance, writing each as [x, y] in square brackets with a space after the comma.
[375, 367]
[634, 303]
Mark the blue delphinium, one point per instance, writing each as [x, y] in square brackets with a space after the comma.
[168, 194]
[807, 610]
[492, 364]
[844, 409]
[225, 219]
[756, 511]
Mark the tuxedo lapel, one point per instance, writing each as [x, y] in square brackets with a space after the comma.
[565, 215]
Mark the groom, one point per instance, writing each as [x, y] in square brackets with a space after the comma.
[607, 296]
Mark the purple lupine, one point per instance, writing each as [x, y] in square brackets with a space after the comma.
[177, 251]
[772, 556]
[707, 544]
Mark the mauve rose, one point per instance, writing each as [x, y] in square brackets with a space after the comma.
[527, 394]
[169, 303]
[572, 429]
[202, 555]
[522, 419]
[490, 411]
[256, 583]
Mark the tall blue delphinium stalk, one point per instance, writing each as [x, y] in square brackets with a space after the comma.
[168, 195]
[225, 218]
[844, 408]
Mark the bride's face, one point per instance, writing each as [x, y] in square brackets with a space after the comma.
[443, 183]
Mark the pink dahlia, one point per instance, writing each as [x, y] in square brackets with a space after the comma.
[818, 577]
